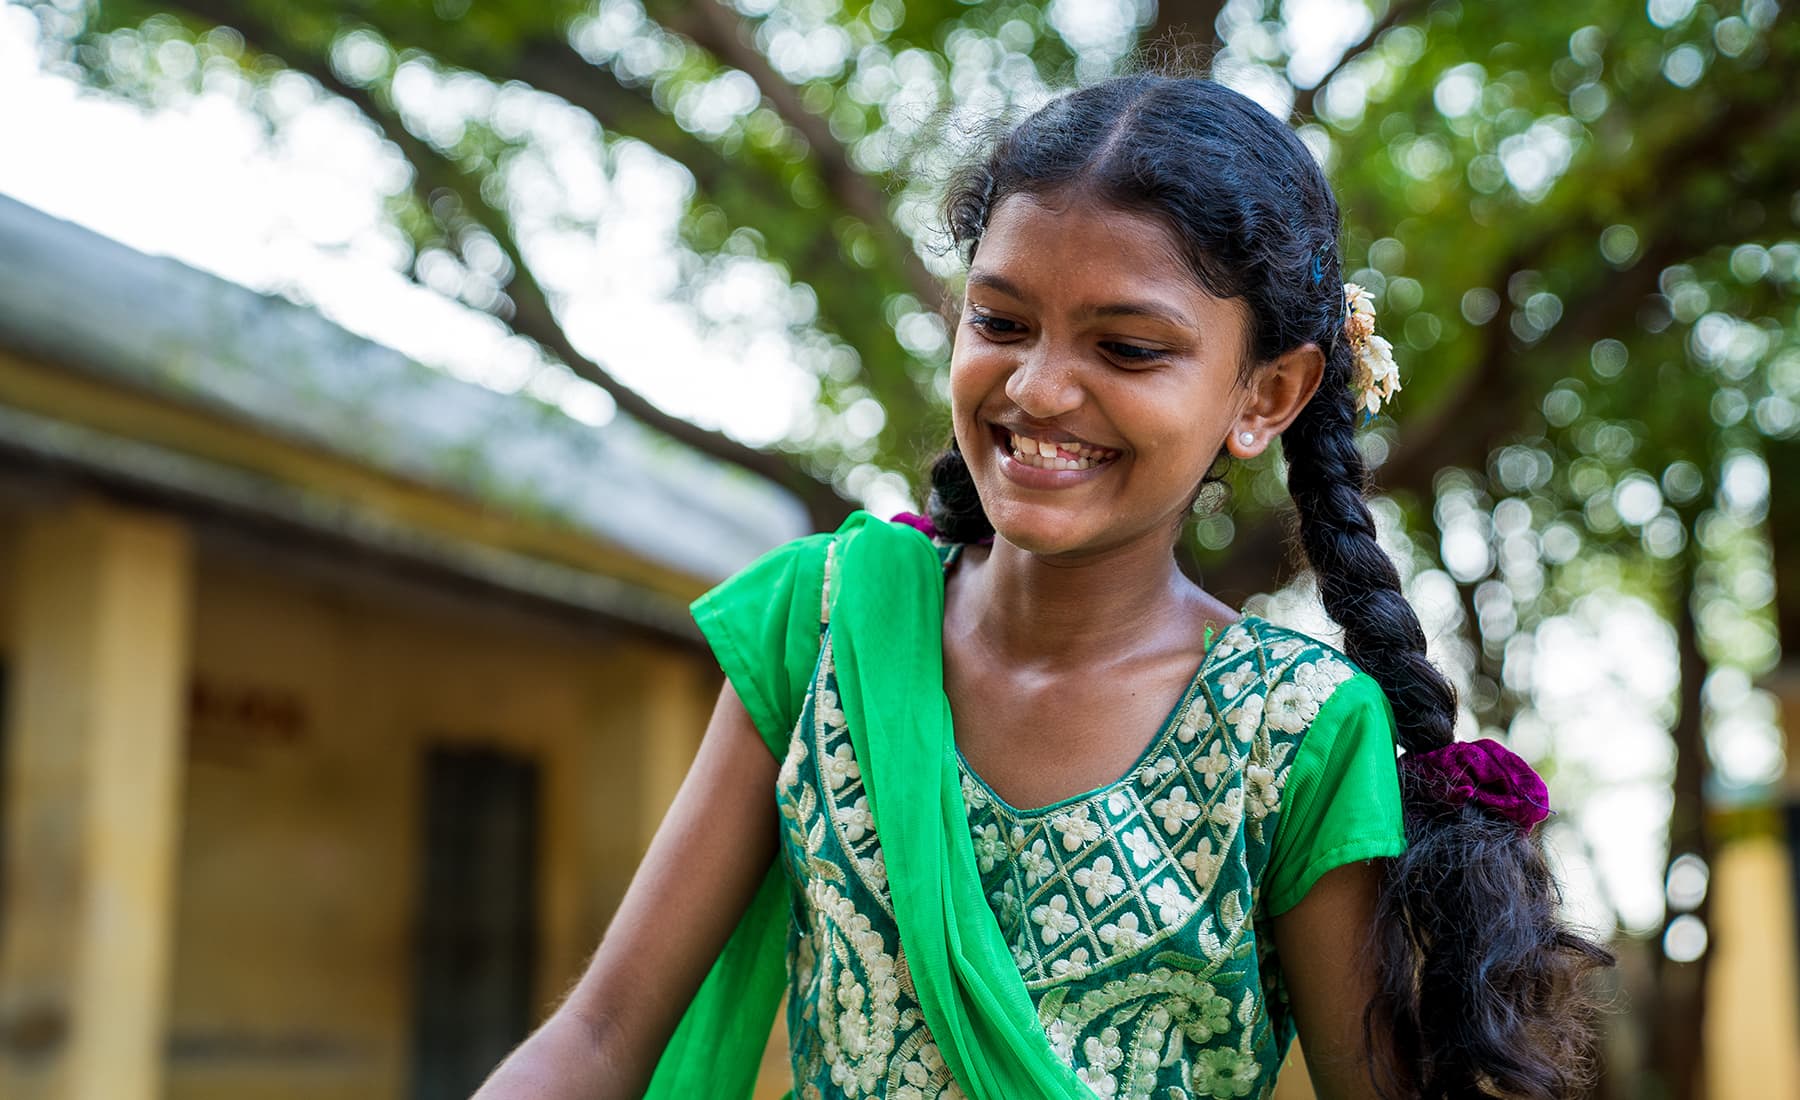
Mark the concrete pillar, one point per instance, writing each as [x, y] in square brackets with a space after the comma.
[650, 717]
[1753, 1007]
[93, 774]
[649, 711]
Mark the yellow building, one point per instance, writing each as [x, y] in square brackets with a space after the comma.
[338, 700]
[340, 696]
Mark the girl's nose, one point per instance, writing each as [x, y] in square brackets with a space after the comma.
[1044, 385]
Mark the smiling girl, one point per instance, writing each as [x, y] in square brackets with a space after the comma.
[1011, 808]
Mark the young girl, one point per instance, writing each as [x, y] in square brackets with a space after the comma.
[1007, 805]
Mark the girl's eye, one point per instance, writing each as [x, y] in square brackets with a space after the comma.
[993, 326]
[1132, 353]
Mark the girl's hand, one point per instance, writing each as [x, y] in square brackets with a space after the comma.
[1328, 960]
[704, 865]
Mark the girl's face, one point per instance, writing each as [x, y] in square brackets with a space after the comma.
[1084, 335]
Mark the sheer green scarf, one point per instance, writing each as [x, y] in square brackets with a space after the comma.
[887, 609]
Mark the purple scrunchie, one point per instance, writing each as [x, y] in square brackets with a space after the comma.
[1486, 773]
[923, 523]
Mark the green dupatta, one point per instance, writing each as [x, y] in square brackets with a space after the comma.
[887, 613]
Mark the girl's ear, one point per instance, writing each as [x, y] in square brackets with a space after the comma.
[1278, 391]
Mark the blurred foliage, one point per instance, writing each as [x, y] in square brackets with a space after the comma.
[1580, 223]
[1518, 185]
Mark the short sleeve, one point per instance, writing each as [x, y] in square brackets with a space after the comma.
[1342, 797]
[763, 626]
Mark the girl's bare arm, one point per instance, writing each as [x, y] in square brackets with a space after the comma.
[1328, 962]
[703, 867]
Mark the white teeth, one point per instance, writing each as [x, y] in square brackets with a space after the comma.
[1051, 456]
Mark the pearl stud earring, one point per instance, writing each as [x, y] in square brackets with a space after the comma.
[1247, 438]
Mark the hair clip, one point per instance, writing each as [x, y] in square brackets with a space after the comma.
[1375, 376]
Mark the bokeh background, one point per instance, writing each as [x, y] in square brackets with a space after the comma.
[380, 378]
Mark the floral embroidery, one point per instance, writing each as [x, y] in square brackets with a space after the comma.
[1124, 935]
[1321, 677]
[1213, 766]
[1172, 906]
[1209, 1014]
[1125, 911]
[1233, 683]
[1102, 1054]
[855, 819]
[1099, 882]
[923, 1075]
[1195, 722]
[1175, 810]
[789, 775]
[988, 849]
[1200, 861]
[1062, 1035]
[1144, 851]
[1055, 919]
[1162, 768]
[1077, 828]
[1262, 791]
[1224, 1073]
[1076, 960]
[1246, 717]
[874, 868]
[828, 710]
[840, 767]
[1007, 906]
[1230, 809]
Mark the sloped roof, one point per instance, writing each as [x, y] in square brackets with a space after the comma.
[75, 298]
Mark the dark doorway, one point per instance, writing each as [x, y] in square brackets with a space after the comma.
[477, 925]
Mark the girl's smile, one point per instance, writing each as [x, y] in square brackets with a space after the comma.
[1093, 379]
[1045, 458]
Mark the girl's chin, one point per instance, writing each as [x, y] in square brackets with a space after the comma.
[1067, 529]
[1046, 530]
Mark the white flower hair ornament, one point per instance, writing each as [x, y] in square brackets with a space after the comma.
[1374, 377]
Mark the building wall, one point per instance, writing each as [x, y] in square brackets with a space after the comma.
[9, 553]
[301, 825]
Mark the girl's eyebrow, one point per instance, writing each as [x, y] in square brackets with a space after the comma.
[995, 282]
[1150, 310]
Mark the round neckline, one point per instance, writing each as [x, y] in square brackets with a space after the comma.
[1185, 702]
[950, 555]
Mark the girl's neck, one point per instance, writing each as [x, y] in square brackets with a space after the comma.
[1087, 612]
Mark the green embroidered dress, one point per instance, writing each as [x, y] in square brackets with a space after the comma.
[1136, 913]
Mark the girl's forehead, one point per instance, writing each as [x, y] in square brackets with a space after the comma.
[1064, 215]
[1075, 247]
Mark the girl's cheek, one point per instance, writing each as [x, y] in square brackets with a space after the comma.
[974, 375]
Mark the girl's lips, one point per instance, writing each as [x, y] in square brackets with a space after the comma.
[1030, 476]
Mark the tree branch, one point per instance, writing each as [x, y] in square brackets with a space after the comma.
[717, 29]
[1399, 11]
[556, 68]
[1491, 399]
[533, 318]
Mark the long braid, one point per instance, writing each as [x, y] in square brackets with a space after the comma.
[1358, 583]
[1480, 976]
[1481, 990]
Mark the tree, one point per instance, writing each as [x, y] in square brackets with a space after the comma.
[1579, 223]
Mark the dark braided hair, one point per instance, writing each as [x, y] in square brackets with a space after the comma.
[1481, 990]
